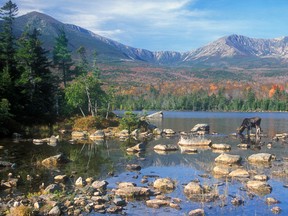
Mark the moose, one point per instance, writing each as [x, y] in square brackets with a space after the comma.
[249, 123]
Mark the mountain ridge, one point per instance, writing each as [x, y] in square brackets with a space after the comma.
[232, 50]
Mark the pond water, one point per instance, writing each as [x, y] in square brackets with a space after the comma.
[100, 158]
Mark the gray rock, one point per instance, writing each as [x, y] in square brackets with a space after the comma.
[164, 184]
[228, 159]
[161, 147]
[55, 160]
[137, 148]
[100, 185]
[259, 187]
[239, 173]
[52, 188]
[197, 212]
[133, 191]
[221, 146]
[260, 158]
[55, 211]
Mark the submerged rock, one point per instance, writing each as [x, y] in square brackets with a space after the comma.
[157, 203]
[55, 160]
[259, 187]
[133, 167]
[137, 148]
[276, 210]
[199, 193]
[162, 147]
[271, 201]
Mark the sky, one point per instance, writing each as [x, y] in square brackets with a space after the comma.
[168, 25]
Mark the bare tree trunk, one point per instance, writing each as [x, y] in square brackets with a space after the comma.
[82, 112]
[90, 107]
[108, 108]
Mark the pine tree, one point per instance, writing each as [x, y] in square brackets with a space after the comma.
[62, 56]
[36, 81]
[7, 40]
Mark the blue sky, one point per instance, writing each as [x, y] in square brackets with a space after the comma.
[158, 25]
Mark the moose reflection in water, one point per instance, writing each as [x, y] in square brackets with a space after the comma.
[249, 123]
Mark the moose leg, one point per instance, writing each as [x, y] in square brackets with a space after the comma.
[248, 131]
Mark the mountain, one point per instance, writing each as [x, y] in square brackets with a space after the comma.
[233, 50]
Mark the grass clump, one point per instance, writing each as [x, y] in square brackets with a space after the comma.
[20, 211]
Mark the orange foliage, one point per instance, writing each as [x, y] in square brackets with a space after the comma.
[274, 88]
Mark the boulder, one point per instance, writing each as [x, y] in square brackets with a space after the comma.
[243, 146]
[55, 160]
[200, 127]
[276, 210]
[55, 211]
[60, 178]
[126, 184]
[260, 177]
[53, 140]
[197, 212]
[221, 146]
[123, 134]
[169, 131]
[239, 173]
[188, 149]
[164, 184]
[260, 158]
[161, 147]
[133, 167]
[78, 134]
[271, 201]
[157, 203]
[79, 182]
[228, 159]
[221, 171]
[137, 148]
[99, 134]
[133, 192]
[259, 187]
[156, 115]
[193, 188]
[52, 188]
[100, 185]
[157, 131]
[194, 141]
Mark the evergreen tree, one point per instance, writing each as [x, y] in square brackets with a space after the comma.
[62, 56]
[8, 72]
[7, 40]
[36, 81]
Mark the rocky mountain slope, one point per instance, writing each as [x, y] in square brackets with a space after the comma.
[233, 50]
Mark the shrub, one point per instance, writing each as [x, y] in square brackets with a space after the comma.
[20, 211]
[90, 122]
[129, 121]
[85, 123]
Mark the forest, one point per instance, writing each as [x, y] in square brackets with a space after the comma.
[38, 86]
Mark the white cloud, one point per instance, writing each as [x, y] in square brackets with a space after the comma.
[150, 24]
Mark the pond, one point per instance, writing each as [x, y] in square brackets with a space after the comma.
[100, 159]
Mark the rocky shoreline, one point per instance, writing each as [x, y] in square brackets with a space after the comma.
[70, 196]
